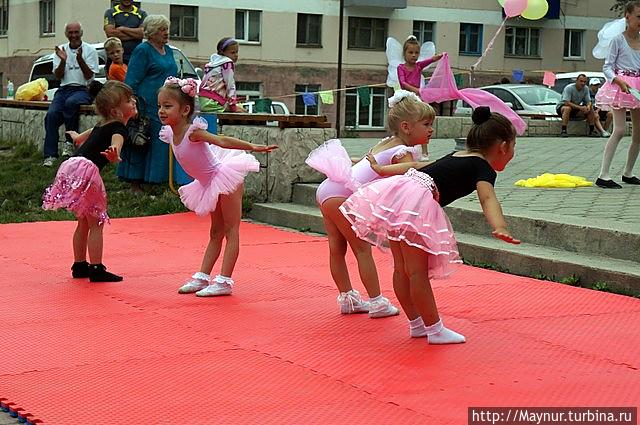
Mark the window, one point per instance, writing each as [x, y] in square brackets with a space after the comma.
[248, 25]
[470, 39]
[4, 17]
[522, 42]
[47, 17]
[370, 116]
[246, 91]
[301, 108]
[184, 22]
[367, 33]
[309, 30]
[506, 97]
[573, 44]
[423, 31]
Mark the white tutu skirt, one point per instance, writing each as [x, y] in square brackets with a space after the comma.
[611, 97]
[403, 208]
[78, 188]
[201, 195]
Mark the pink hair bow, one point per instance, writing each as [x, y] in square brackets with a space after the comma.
[187, 85]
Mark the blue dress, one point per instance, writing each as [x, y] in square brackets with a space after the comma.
[146, 73]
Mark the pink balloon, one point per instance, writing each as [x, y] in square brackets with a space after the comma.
[515, 7]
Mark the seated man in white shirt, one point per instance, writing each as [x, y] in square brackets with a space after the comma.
[75, 63]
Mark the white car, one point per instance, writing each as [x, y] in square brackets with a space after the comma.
[43, 68]
[277, 108]
[524, 99]
[562, 80]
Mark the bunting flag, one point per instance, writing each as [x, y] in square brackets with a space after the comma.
[549, 79]
[365, 96]
[309, 98]
[326, 97]
[518, 75]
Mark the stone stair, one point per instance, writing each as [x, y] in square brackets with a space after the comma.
[550, 248]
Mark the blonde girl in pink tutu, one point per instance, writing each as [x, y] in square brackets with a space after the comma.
[410, 121]
[622, 69]
[218, 166]
[405, 213]
[78, 186]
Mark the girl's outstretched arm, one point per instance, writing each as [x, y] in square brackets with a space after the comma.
[395, 169]
[493, 212]
[113, 152]
[79, 139]
[228, 142]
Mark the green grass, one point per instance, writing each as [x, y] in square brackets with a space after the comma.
[23, 180]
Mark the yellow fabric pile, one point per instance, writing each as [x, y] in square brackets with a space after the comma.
[555, 180]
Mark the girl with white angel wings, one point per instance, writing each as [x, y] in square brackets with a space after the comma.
[407, 62]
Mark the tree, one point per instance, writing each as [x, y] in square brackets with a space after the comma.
[619, 6]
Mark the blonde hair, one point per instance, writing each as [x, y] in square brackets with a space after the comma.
[111, 43]
[112, 94]
[410, 41]
[153, 23]
[409, 110]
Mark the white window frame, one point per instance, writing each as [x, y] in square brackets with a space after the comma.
[4, 17]
[527, 47]
[245, 37]
[49, 7]
[181, 23]
[570, 33]
[420, 32]
[250, 95]
[306, 90]
[357, 126]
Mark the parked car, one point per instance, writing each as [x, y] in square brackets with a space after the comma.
[524, 99]
[562, 80]
[43, 68]
[277, 108]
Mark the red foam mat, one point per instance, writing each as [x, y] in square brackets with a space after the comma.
[278, 351]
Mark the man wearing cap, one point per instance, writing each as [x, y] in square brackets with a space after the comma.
[576, 103]
[606, 116]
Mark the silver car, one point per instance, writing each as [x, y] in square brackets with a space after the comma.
[524, 99]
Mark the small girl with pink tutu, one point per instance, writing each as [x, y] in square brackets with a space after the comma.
[78, 186]
[410, 121]
[218, 166]
[405, 213]
[622, 69]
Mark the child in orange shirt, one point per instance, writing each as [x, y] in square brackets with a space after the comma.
[118, 69]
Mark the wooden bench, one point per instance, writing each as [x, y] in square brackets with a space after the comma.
[40, 104]
[284, 121]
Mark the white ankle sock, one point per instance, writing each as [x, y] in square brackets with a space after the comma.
[438, 334]
[201, 276]
[375, 299]
[223, 279]
[417, 329]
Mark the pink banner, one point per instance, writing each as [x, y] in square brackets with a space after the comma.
[549, 79]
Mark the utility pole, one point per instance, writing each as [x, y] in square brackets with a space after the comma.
[339, 82]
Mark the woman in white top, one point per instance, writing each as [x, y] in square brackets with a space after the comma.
[622, 69]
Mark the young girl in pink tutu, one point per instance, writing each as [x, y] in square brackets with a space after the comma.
[78, 186]
[622, 69]
[410, 121]
[405, 212]
[218, 173]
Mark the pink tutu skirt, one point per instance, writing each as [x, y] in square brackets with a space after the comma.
[201, 196]
[332, 160]
[78, 188]
[403, 208]
[611, 97]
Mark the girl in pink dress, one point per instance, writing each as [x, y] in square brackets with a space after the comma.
[410, 122]
[405, 213]
[410, 72]
[218, 174]
[78, 186]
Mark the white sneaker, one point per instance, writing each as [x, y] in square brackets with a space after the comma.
[605, 133]
[48, 161]
[67, 149]
[351, 302]
[382, 307]
[219, 286]
[198, 281]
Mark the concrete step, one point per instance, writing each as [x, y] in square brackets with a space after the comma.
[577, 236]
[527, 259]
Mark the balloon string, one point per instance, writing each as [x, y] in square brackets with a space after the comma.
[490, 45]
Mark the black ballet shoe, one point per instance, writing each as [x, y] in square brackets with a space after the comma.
[631, 180]
[607, 184]
[99, 273]
[80, 269]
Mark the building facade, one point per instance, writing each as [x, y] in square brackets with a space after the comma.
[291, 46]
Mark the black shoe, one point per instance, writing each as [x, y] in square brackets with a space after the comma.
[563, 133]
[99, 273]
[80, 269]
[607, 184]
[594, 133]
[631, 180]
